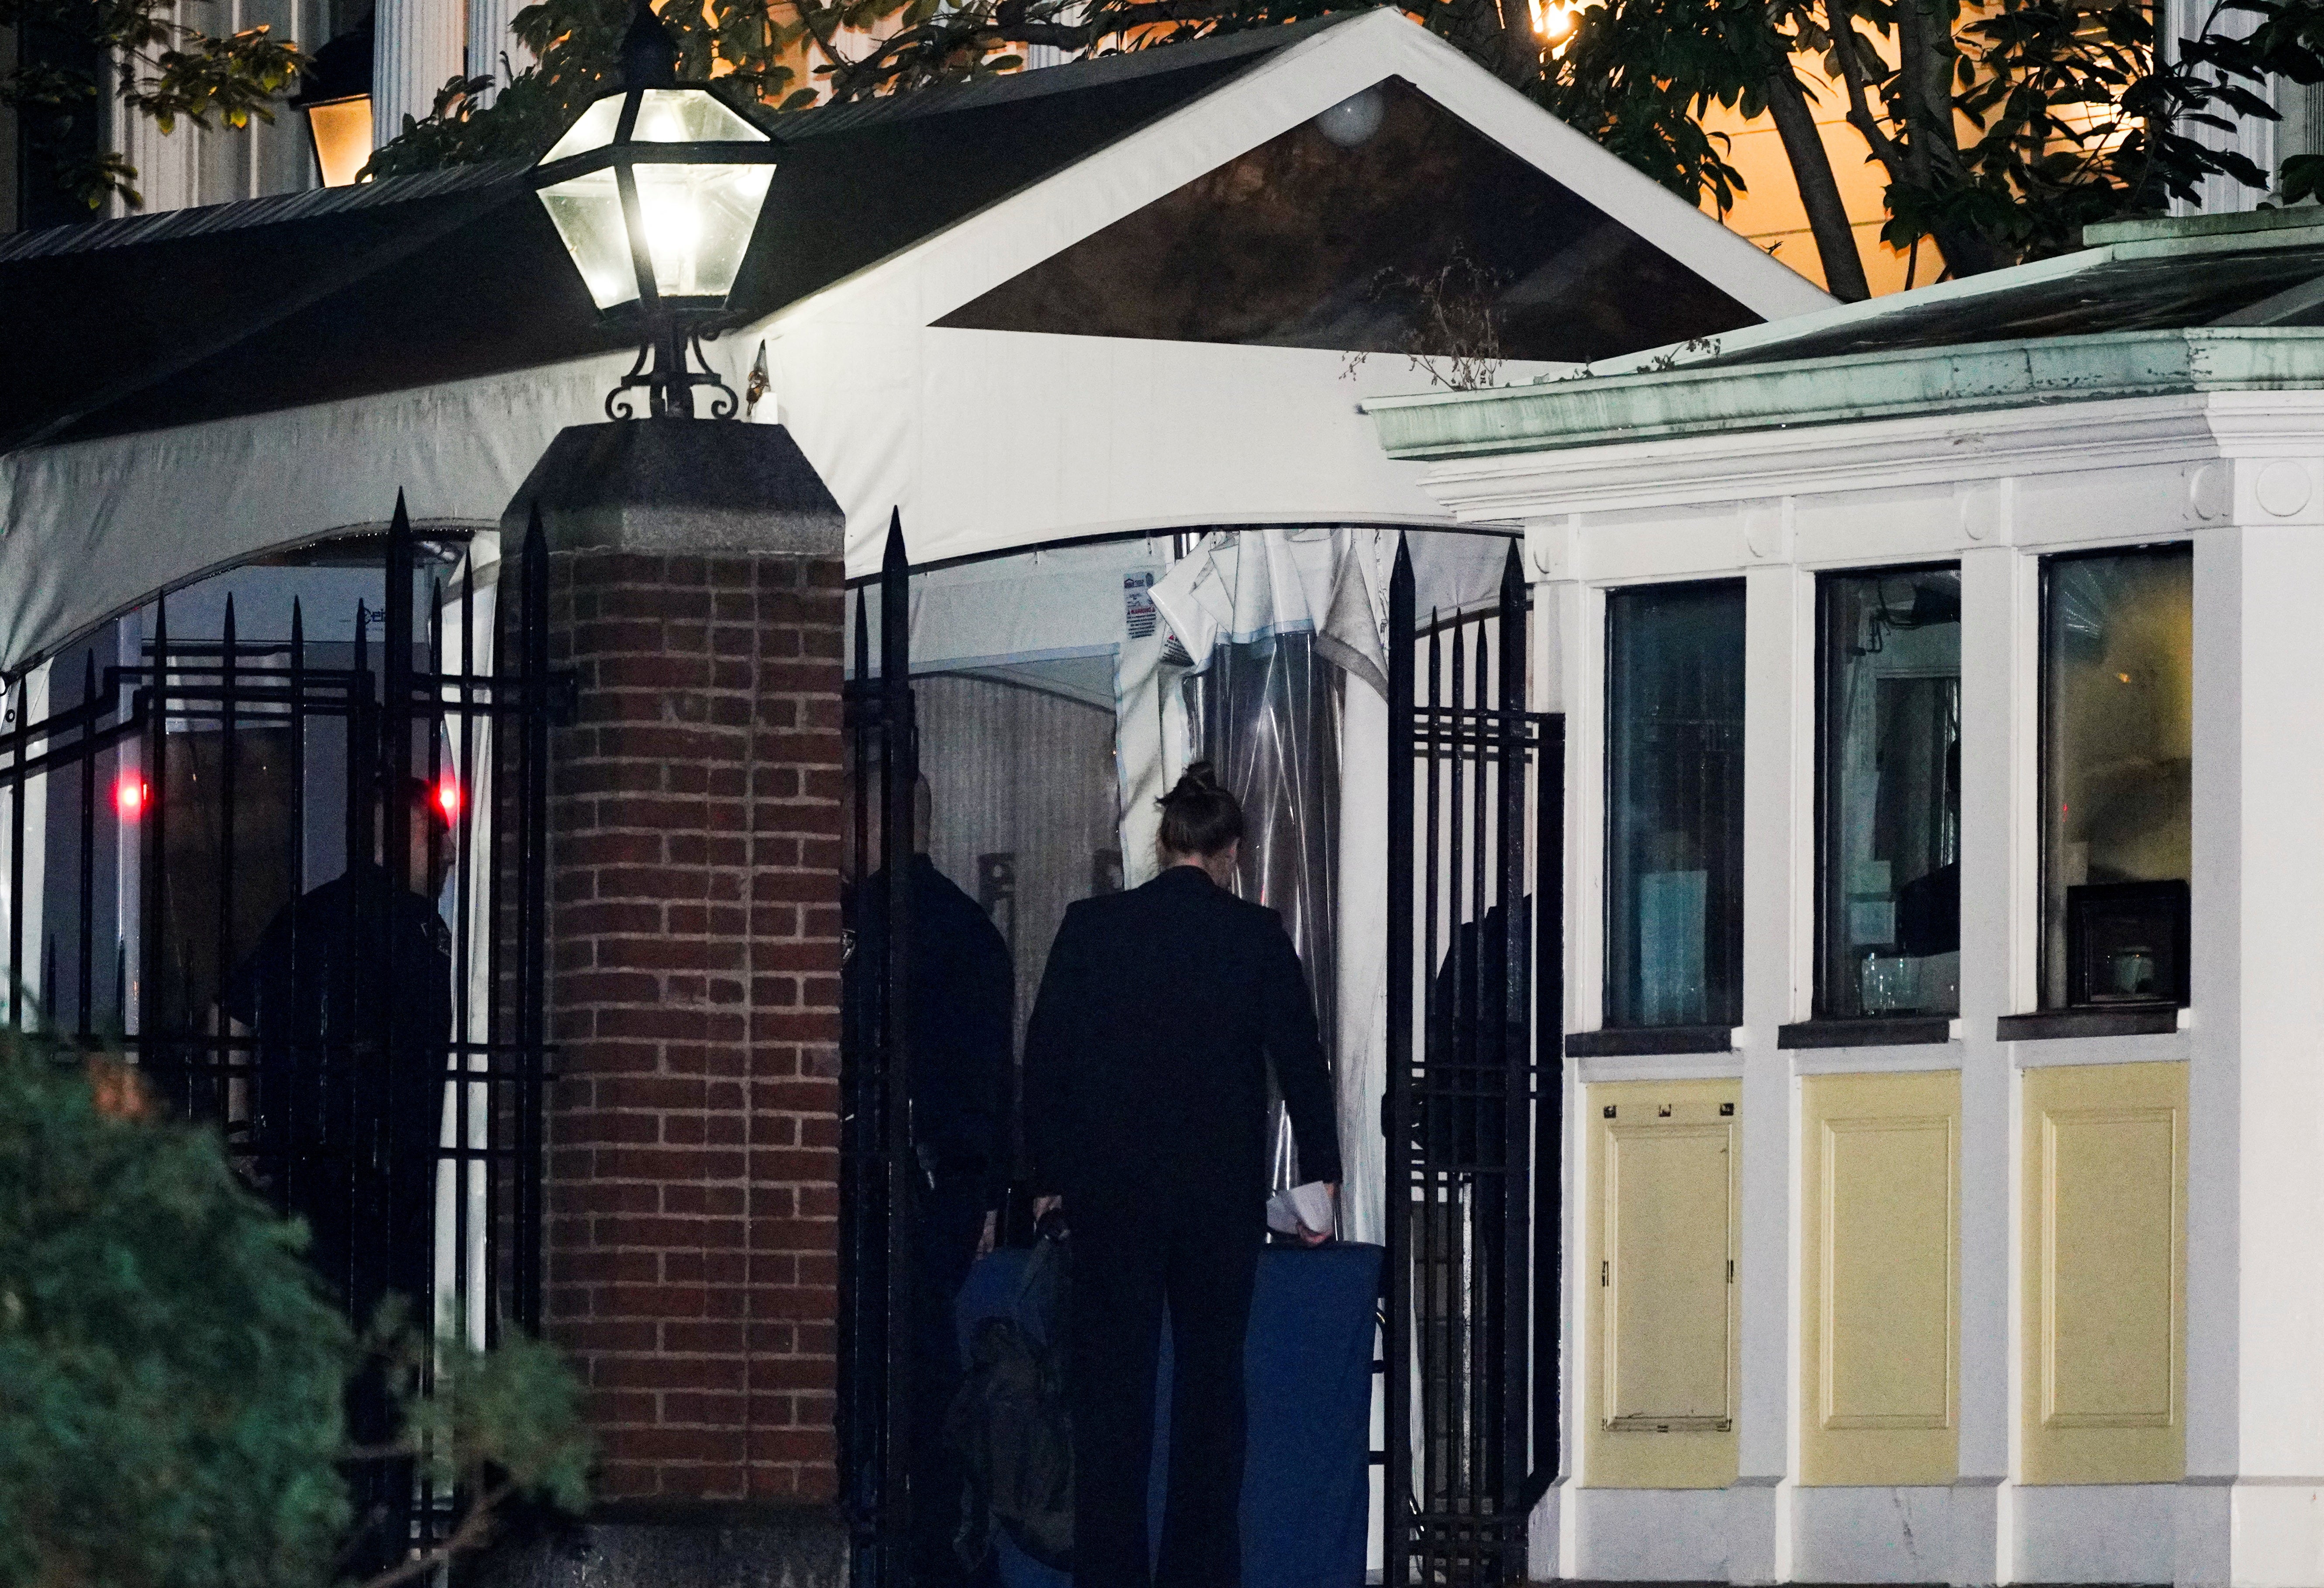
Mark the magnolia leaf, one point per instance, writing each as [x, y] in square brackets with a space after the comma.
[2303, 178]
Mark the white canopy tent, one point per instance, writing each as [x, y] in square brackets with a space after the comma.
[983, 440]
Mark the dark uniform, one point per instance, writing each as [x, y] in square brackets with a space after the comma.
[1146, 1105]
[963, 997]
[349, 995]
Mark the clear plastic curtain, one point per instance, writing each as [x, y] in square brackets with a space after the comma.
[1265, 714]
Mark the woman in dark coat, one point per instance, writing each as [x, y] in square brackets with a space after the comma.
[1146, 1107]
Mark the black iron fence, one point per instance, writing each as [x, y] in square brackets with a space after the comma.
[1473, 1117]
[877, 1167]
[286, 852]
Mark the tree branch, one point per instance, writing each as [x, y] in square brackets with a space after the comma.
[475, 1529]
[1835, 239]
[1844, 45]
[1914, 52]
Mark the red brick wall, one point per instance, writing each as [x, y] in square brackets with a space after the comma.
[691, 1202]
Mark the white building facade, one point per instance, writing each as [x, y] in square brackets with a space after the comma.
[2016, 1207]
[414, 47]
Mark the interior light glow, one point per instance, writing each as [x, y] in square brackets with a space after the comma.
[1552, 20]
[342, 130]
[673, 230]
[448, 797]
[130, 795]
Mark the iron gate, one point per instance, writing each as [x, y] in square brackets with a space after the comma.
[876, 1158]
[1472, 1122]
[261, 853]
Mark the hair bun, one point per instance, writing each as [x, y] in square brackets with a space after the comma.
[1199, 816]
[1198, 775]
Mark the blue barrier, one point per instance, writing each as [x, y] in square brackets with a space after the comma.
[1307, 1363]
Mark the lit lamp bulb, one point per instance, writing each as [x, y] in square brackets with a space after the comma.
[129, 795]
[673, 226]
[448, 799]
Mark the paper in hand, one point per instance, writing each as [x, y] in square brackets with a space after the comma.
[1301, 1210]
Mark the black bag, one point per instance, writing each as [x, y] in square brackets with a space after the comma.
[1010, 1424]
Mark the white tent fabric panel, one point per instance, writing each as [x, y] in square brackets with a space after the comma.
[1038, 605]
[990, 441]
[1361, 1065]
[1235, 588]
[96, 527]
[1069, 600]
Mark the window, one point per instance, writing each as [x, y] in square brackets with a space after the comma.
[1674, 806]
[1888, 794]
[2118, 698]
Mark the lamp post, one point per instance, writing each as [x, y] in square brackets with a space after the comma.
[655, 192]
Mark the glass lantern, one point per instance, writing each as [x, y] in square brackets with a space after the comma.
[655, 192]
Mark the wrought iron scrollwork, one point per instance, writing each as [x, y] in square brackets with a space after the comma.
[666, 371]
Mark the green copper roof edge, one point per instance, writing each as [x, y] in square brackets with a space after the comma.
[2165, 228]
[1849, 389]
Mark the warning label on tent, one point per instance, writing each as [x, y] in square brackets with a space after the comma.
[1138, 603]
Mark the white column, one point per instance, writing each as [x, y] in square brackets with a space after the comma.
[417, 46]
[489, 38]
[168, 169]
[2252, 136]
[2252, 1508]
[1997, 719]
[1778, 846]
[1568, 635]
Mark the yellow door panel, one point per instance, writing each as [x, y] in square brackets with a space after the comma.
[1880, 1266]
[1666, 1231]
[1661, 1236]
[2106, 1197]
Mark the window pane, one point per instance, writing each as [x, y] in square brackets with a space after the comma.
[1889, 929]
[1674, 806]
[2118, 698]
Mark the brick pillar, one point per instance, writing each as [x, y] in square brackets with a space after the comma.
[694, 928]
[694, 956]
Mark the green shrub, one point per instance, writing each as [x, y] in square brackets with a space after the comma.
[171, 1373]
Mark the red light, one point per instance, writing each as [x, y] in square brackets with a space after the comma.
[448, 797]
[129, 795]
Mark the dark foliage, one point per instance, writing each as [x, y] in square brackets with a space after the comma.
[171, 1375]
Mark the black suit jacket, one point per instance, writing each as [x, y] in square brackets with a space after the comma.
[1146, 1061]
[964, 1016]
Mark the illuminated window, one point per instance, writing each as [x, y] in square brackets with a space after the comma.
[1674, 806]
[1888, 794]
[2117, 745]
